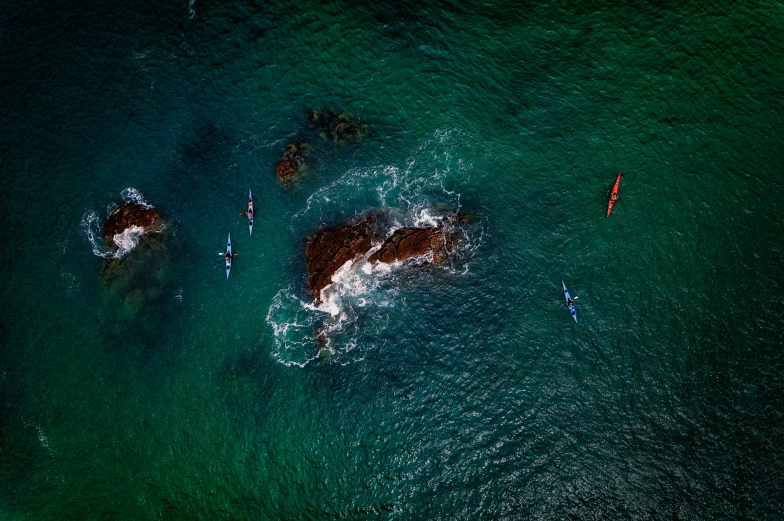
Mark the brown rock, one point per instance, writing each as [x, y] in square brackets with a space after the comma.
[405, 243]
[293, 161]
[286, 170]
[127, 215]
[326, 251]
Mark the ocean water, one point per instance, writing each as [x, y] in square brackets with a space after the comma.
[463, 391]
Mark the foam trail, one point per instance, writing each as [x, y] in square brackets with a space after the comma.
[296, 323]
[292, 328]
[90, 227]
[132, 195]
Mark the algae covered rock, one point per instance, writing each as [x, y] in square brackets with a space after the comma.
[338, 127]
[136, 266]
[293, 162]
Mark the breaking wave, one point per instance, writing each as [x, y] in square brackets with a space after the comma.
[415, 195]
[126, 241]
[132, 195]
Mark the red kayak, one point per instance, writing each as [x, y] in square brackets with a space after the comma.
[613, 195]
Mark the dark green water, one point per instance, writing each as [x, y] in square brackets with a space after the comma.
[461, 392]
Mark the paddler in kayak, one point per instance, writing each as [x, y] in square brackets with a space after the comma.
[249, 213]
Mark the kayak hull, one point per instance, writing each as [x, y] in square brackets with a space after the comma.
[251, 213]
[567, 298]
[613, 195]
[228, 261]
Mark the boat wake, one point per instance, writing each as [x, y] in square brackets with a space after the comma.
[413, 196]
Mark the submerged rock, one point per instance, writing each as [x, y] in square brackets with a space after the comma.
[338, 127]
[137, 269]
[293, 161]
[328, 250]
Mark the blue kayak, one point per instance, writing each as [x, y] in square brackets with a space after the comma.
[569, 299]
[228, 260]
[250, 212]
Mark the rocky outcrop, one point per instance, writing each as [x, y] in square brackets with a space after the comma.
[432, 244]
[126, 216]
[328, 250]
[136, 270]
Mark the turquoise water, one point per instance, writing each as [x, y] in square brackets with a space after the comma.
[461, 392]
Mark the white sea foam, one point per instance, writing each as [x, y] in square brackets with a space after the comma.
[191, 10]
[43, 438]
[131, 194]
[425, 218]
[296, 322]
[91, 229]
[126, 241]
[414, 195]
[293, 327]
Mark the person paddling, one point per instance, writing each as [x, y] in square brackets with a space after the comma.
[249, 213]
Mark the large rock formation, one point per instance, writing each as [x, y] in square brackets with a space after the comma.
[129, 215]
[328, 250]
[432, 244]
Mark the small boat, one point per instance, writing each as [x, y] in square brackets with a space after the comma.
[250, 212]
[571, 306]
[613, 195]
[228, 261]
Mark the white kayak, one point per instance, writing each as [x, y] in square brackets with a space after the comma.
[228, 261]
[571, 306]
[250, 212]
